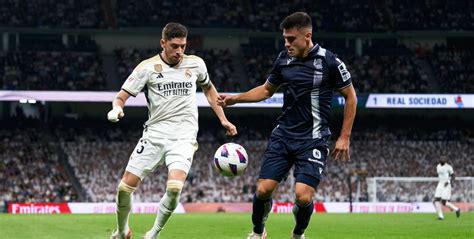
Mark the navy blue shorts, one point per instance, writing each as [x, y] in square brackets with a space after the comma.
[308, 156]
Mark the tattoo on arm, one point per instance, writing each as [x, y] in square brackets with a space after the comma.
[120, 98]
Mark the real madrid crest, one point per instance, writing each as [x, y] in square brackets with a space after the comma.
[188, 73]
[158, 68]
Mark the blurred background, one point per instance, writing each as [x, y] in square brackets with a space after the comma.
[61, 62]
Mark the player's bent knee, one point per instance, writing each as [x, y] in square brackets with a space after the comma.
[303, 200]
[443, 202]
[263, 192]
[123, 187]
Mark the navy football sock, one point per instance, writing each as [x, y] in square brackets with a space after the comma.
[260, 210]
[302, 216]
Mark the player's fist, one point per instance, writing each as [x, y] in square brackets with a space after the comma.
[225, 100]
[115, 114]
[231, 129]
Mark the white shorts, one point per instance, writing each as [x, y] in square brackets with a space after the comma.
[443, 192]
[149, 154]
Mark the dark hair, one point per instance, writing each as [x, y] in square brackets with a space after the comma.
[298, 20]
[174, 30]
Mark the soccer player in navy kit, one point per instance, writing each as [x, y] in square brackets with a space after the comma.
[308, 75]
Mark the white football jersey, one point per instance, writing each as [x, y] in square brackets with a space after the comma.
[171, 95]
[444, 171]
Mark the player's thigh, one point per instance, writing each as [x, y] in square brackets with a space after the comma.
[179, 156]
[145, 158]
[439, 190]
[311, 160]
[446, 193]
[277, 161]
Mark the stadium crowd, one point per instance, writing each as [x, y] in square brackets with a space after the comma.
[453, 68]
[98, 154]
[51, 70]
[30, 167]
[437, 69]
[363, 16]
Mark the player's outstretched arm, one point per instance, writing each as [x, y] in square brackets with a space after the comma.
[256, 94]
[341, 149]
[211, 96]
[118, 103]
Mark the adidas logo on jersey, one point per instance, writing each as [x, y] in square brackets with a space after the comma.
[159, 75]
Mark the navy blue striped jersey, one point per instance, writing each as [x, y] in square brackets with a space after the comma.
[308, 84]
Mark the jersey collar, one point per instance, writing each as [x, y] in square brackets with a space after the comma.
[163, 60]
[313, 50]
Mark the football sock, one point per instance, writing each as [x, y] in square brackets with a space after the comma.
[260, 210]
[450, 205]
[168, 203]
[439, 209]
[302, 216]
[124, 204]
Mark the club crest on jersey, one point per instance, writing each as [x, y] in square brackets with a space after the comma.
[158, 68]
[188, 73]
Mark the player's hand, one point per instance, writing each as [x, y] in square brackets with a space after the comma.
[231, 129]
[341, 149]
[446, 184]
[115, 114]
[225, 100]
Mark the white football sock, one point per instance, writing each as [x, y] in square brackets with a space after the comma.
[124, 204]
[168, 203]
[439, 209]
[450, 205]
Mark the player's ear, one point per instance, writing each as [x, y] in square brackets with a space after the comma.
[162, 43]
[308, 35]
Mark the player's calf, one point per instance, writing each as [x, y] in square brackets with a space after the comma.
[124, 204]
[168, 204]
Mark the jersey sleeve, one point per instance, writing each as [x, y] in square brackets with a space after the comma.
[275, 78]
[136, 81]
[203, 76]
[338, 71]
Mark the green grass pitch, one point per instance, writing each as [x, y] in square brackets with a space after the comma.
[226, 225]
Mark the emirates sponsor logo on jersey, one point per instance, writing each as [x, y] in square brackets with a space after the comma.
[175, 88]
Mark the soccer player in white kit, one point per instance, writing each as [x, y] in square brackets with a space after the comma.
[169, 80]
[443, 190]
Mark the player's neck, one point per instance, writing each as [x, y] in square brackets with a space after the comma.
[308, 49]
[167, 61]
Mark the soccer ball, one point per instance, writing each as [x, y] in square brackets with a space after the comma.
[231, 160]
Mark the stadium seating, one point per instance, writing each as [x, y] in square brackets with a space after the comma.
[98, 154]
[363, 16]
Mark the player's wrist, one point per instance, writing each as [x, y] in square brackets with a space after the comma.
[117, 108]
[345, 135]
